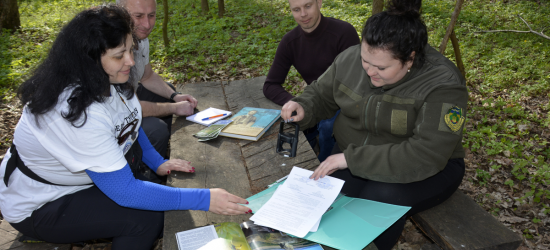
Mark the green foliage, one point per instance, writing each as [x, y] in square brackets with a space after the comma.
[483, 176]
[246, 37]
[41, 20]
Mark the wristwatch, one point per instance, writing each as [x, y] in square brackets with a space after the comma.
[174, 95]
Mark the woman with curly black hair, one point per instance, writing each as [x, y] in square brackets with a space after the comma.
[68, 176]
[403, 105]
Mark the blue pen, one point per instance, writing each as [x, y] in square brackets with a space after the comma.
[212, 117]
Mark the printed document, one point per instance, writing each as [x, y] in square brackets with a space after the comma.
[196, 238]
[298, 203]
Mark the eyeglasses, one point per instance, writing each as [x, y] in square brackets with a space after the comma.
[123, 136]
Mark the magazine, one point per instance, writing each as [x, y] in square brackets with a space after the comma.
[244, 236]
[251, 123]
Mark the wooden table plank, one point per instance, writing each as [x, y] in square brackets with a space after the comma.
[241, 167]
[218, 164]
[264, 165]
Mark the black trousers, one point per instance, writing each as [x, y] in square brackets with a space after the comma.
[157, 129]
[420, 195]
[89, 214]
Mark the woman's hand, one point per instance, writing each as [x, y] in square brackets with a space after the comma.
[329, 166]
[288, 108]
[222, 202]
[175, 165]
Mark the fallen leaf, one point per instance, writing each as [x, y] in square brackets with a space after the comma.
[512, 219]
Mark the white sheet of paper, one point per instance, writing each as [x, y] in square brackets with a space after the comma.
[316, 226]
[299, 203]
[196, 238]
[217, 244]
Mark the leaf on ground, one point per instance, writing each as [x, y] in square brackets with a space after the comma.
[512, 219]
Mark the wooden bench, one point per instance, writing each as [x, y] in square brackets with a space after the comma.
[460, 223]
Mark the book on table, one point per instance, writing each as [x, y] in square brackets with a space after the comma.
[244, 236]
[251, 123]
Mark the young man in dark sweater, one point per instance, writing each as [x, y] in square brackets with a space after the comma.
[311, 47]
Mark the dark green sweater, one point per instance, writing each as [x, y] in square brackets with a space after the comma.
[398, 133]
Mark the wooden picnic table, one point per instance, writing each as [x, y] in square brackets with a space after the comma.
[245, 168]
[241, 167]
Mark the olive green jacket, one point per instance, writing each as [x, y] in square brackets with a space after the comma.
[398, 133]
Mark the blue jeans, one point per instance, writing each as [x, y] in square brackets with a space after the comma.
[326, 141]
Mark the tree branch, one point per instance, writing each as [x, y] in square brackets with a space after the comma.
[450, 28]
[518, 31]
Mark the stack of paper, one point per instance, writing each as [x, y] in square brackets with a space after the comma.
[350, 223]
[297, 205]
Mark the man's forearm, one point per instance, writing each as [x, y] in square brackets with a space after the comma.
[156, 109]
[276, 93]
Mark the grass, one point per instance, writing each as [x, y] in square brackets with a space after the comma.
[508, 74]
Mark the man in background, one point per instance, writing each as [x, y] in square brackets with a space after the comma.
[311, 48]
[159, 100]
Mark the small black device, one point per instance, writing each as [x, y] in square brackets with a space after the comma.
[290, 138]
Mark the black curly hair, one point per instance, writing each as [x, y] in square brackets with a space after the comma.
[399, 30]
[75, 61]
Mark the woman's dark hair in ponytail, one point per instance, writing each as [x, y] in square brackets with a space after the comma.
[399, 30]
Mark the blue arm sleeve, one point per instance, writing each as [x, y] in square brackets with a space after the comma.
[125, 190]
[150, 157]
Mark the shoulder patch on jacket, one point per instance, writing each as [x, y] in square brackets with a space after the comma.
[356, 97]
[452, 118]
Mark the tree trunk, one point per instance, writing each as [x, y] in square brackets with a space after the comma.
[165, 24]
[450, 29]
[204, 7]
[9, 15]
[458, 56]
[221, 8]
[377, 6]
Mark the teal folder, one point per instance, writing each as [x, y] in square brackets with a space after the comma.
[349, 224]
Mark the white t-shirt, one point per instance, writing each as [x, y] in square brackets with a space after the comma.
[59, 152]
[141, 57]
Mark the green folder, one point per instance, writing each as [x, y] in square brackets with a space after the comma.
[349, 224]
